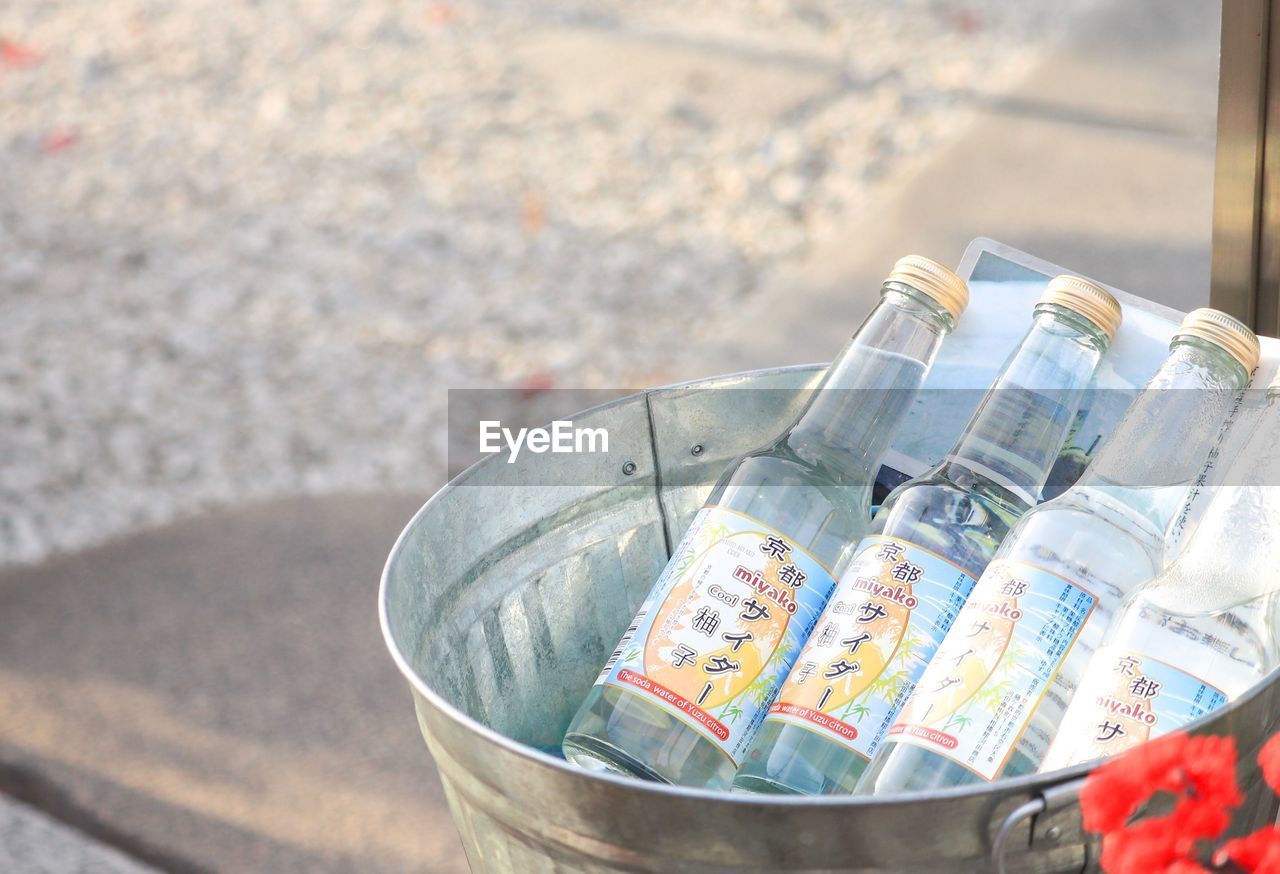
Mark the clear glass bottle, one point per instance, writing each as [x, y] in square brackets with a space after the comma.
[994, 693]
[928, 544]
[1158, 671]
[686, 688]
[1202, 632]
[1243, 516]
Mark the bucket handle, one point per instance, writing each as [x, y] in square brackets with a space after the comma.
[1048, 800]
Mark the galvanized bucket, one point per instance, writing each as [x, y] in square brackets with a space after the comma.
[500, 602]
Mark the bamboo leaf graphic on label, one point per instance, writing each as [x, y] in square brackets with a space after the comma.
[994, 696]
[907, 649]
[718, 636]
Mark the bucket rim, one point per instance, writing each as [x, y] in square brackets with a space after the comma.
[1029, 784]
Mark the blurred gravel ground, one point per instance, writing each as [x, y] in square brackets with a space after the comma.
[245, 247]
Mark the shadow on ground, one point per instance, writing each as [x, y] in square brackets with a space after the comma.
[215, 696]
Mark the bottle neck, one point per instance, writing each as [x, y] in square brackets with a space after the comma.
[868, 390]
[1230, 555]
[1258, 459]
[1016, 432]
[1161, 444]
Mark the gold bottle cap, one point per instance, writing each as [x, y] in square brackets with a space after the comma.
[926, 275]
[1222, 330]
[1087, 299]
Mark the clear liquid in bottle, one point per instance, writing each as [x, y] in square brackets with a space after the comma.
[929, 542]
[687, 686]
[993, 696]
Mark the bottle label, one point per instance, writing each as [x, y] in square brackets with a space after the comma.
[977, 696]
[1127, 698]
[891, 610]
[723, 625]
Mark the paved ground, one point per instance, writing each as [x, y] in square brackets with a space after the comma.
[33, 843]
[213, 695]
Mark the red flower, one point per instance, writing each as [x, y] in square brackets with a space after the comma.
[1186, 866]
[1258, 853]
[1198, 771]
[1140, 848]
[1269, 759]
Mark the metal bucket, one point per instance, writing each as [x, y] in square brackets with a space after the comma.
[500, 602]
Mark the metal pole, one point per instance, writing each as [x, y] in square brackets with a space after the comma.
[1245, 272]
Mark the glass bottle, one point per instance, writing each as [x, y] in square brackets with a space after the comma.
[686, 688]
[1243, 517]
[994, 693]
[1158, 671]
[1201, 633]
[928, 544]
